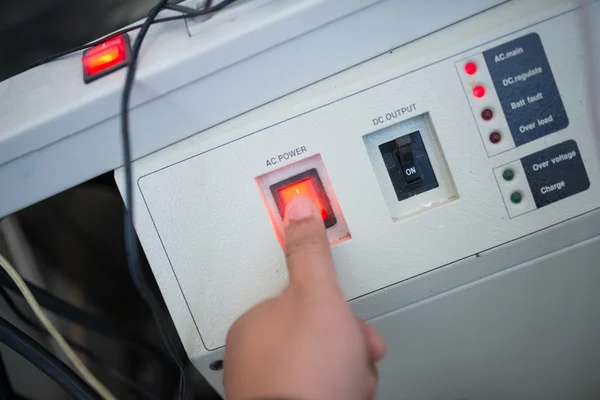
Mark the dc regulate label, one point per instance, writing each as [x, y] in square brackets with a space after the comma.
[526, 87]
[555, 173]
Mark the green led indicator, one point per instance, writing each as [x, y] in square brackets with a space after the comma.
[508, 175]
[516, 197]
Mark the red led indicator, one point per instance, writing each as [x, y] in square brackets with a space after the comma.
[479, 91]
[495, 137]
[305, 187]
[105, 58]
[470, 68]
[487, 114]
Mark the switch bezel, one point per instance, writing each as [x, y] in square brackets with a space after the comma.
[336, 234]
[320, 189]
[421, 195]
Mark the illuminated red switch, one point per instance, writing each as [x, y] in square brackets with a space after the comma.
[105, 58]
[309, 184]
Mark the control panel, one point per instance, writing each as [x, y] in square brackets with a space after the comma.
[413, 165]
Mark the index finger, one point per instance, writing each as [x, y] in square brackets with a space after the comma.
[307, 250]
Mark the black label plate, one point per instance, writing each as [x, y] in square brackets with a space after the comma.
[526, 87]
[555, 173]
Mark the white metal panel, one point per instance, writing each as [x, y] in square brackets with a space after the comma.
[414, 310]
[191, 189]
[530, 332]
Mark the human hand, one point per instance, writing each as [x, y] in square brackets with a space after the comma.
[305, 344]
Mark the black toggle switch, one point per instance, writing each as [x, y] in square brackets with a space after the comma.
[408, 165]
[407, 159]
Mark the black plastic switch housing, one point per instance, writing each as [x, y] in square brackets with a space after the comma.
[407, 159]
[408, 165]
[309, 184]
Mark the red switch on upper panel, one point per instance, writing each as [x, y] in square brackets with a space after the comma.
[105, 58]
[307, 184]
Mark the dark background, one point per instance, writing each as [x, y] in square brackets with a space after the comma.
[78, 234]
[34, 29]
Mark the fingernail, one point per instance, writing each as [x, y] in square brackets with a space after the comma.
[300, 207]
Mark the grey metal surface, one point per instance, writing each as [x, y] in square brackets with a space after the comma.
[530, 332]
[380, 253]
[478, 266]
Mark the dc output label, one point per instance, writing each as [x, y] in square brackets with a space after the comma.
[395, 114]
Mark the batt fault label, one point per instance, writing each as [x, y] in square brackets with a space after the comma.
[555, 173]
[526, 88]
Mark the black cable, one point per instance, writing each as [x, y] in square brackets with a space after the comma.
[131, 244]
[180, 8]
[45, 362]
[9, 334]
[13, 307]
[96, 323]
[93, 358]
[209, 10]
[198, 13]
[115, 373]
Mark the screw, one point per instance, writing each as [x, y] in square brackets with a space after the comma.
[216, 365]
